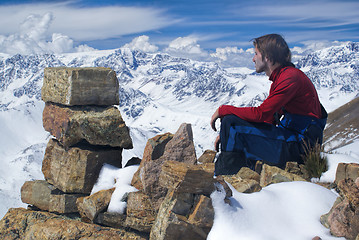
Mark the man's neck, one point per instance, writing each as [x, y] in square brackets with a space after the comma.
[271, 68]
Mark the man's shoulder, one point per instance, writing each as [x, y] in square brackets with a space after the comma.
[291, 71]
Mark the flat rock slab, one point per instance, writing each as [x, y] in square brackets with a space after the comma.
[80, 86]
[19, 223]
[76, 170]
[44, 196]
[97, 125]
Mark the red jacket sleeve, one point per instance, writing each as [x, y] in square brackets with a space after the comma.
[281, 92]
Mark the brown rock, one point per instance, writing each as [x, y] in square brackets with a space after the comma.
[187, 178]
[63, 203]
[170, 224]
[19, 223]
[97, 125]
[243, 185]
[37, 193]
[349, 190]
[180, 148]
[344, 220]
[154, 150]
[272, 174]
[115, 220]
[347, 170]
[89, 207]
[245, 181]
[207, 157]
[297, 169]
[316, 238]
[76, 170]
[203, 213]
[44, 196]
[140, 214]
[80, 86]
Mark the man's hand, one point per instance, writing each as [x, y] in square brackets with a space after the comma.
[214, 118]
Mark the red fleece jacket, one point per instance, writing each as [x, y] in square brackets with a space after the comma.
[290, 89]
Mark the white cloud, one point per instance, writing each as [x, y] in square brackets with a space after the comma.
[185, 45]
[32, 38]
[224, 53]
[141, 43]
[87, 23]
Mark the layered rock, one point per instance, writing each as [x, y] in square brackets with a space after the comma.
[45, 196]
[80, 86]
[76, 170]
[20, 223]
[245, 181]
[97, 125]
[272, 174]
[347, 171]
[178, 147]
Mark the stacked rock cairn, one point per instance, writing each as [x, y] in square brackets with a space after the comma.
[173, 197]
[88, 131]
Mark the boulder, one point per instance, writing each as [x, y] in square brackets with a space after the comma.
[207, 157]
[90, 206]
[272, 174]
[347, 170]
[76, 170]
[19, 223]
[172, 223]
[245, 181]
[343, 218]
[44, 196]
[97, 125]
[80, 86]
[153, 150]
[140, 214]
[179, 148]
[187, 178]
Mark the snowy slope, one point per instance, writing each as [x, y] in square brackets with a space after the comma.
[158, 92]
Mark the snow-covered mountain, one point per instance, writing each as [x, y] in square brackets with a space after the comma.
[158, 92]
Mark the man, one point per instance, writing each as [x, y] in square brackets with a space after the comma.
[249, 134]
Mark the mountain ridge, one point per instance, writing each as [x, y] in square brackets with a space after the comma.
[158, 92]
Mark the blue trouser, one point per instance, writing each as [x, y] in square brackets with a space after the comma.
[243, 143]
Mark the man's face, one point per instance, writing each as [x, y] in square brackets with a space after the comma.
[260, 64]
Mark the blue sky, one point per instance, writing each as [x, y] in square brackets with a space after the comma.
[109, 24]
